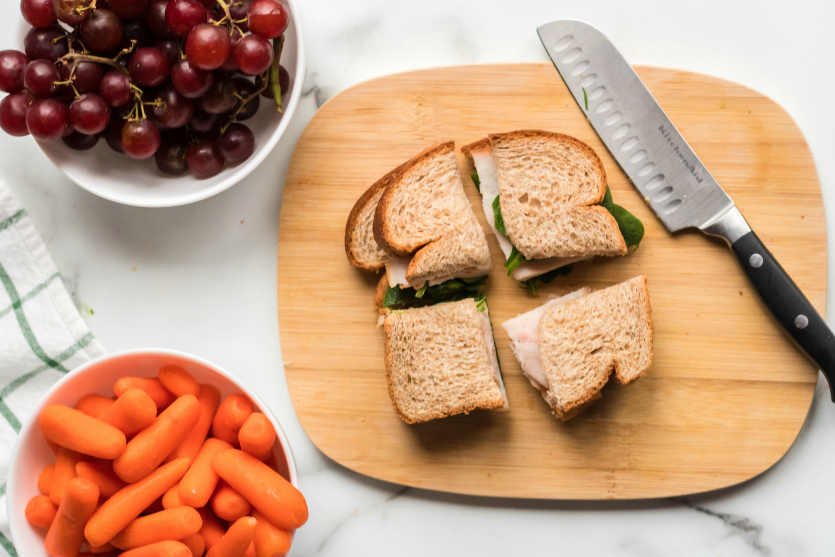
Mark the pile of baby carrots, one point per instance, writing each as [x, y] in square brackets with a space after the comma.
[163, 469]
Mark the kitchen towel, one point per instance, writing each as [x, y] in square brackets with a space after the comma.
[42, 335]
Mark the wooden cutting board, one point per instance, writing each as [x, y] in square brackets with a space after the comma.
[727, 392]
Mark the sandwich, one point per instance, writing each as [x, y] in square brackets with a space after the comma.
[546, 198]
[417, 223]
[441, 361]
[570, 346]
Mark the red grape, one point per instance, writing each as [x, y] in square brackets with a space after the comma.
[86, 77]
[246, 89]
[204, 159]
[128, 10]
[283, 83]
[237, 144]
[13, 114]
[40, 77]
[220, 98]
[136, 31]
[115, 89]
[113, 134]
[203, 122]
[182, 15]
[171, 156]
[189, 81]
[237, 10]
[68, 11]
[38, 13]
[268, 18]
[80, 142]
[89, 114]
[12, 65]
[208, 46]
[140, 138]
[170, 48]
[253, 54]
[149, 67]
[42, 43]
[155, 18]
[46, 119]
[102, 31]
[176, 110]
[230, 65]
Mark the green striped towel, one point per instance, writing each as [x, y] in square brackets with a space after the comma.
[42, 335]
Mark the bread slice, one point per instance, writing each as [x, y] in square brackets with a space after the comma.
[583, 341]
[440, 361]
[424, 218]
[362, 250]
[549, 185]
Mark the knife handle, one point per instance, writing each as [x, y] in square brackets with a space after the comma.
[788, 304]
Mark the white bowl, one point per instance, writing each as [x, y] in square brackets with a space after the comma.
[119, 178]
[31, 454]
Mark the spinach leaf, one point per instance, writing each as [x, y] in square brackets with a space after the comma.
[514, 260]
[631, 228]
[448, 291]
[497, 216]
[476, 181]
[546, 278]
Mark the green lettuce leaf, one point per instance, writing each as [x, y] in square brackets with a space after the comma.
[476, 181]
[631, 228]
[514, 260]
[546, 278]
[449, 291]
[497, 216]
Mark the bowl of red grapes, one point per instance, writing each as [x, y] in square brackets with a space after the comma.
[153, 103]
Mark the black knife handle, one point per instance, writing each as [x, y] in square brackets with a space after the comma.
[788, 304]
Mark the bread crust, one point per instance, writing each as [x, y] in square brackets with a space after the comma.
[380, 292]
[353, 219]
[380, 228]
[475, 146]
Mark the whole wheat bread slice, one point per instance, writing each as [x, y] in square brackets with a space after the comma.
[583, 341]
[362, 250]
[438, 361]
[549, 188]
[424, 212]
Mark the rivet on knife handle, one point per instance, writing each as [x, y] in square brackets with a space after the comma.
[670, 176]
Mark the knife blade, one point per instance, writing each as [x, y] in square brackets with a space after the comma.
[670, 176]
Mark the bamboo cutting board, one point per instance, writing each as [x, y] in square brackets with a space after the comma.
[727, 392]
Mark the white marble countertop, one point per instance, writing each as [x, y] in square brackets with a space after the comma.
[186, 277]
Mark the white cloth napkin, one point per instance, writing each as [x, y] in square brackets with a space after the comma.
[42, 335]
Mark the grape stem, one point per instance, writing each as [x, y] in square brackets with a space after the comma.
[234, 117]
[91, 6]
[84, 57]
[275, 82]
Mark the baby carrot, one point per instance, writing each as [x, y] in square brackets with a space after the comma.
[209, 399]
[171, 499]
[106, 548]
[257, 436]
[213, 528]
[102, 475]
[76, 430]
[40, 511]
[195, 544]
[228, 504]
[93, 404]
[178, 381]
[161, 396]
[65, 462]
[117, 512]
[45, 479]
[230, 417]
[269, 539]
[173, 524]
[132, 412]
[250, 551]
[149, 448]
[273, 496]
[168, 548]
[200, 481]
[154, 507]
[236, 540]
[66, 534]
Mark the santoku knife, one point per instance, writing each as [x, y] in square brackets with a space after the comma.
[671, 178]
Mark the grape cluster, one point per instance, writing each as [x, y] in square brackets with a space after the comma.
[170, 79]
